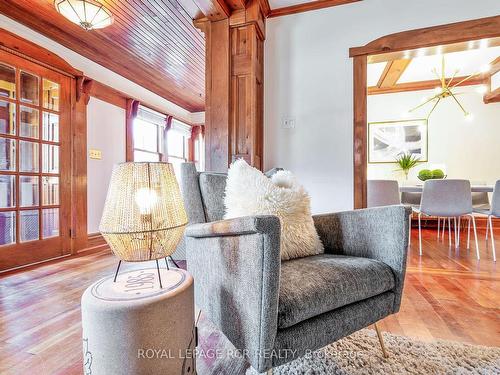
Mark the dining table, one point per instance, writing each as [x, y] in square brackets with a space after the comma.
[419, 187]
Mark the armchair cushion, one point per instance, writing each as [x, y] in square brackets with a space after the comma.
[317, 284]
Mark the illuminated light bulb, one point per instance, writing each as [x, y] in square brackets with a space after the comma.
[146, 199]
[406, 55]
[483, 43]
[439, 50]
[471, 44]
[485, 68]
[421, 52]
[437, 89]
[469, 117]
[482, 89]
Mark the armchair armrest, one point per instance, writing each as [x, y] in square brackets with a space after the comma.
[378, 233]
[230, 227]
[236, 266]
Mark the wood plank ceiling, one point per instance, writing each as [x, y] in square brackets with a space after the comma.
[151, 42]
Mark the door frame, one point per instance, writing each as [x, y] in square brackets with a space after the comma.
[76, 238]
[482, 28]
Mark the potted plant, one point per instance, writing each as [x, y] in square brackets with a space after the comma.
[406, 161]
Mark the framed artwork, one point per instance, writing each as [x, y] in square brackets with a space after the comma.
[388, 139]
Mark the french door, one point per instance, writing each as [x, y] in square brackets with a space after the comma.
[35, 119]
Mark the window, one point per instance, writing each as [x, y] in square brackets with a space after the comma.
[152, 143]
[149, 127]
[198, 145]
[178, 144]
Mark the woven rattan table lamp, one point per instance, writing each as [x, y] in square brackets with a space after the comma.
[143, 217]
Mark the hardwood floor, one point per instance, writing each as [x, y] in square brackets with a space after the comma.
[448, 295]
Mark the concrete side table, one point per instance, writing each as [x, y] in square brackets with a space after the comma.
[132, 327]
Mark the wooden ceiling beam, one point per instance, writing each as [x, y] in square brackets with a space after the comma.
[431, 36]
[392, 72]
[493, 95]
[430, 51]
[305, 7]
[422, 85]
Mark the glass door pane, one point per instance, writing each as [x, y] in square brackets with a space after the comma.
[7, 191]
[29, 118]
[7, 81]
[7, 227]
[28, 158]
[50, 220]
[50, 191]
[28, 225]
[50, 159]
[29, 88]
[7, 154]
[50, 95]
[50, 127]
[28, 191]
[7, 118]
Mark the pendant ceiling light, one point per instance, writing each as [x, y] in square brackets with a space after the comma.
[89, 14]
[447, 89]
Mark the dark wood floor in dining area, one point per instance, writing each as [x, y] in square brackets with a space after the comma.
[448, 295]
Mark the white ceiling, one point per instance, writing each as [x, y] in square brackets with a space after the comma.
[466, 62]
[374, 72]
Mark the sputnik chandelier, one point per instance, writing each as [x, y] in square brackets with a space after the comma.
[447, 90]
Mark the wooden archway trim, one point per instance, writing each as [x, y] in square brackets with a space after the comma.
[12, 43]
[430, 36]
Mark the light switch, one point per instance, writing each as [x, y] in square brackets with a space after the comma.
[288, 123]
[95, 154]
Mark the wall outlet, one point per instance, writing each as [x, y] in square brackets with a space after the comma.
[95, 154]
[288, 123]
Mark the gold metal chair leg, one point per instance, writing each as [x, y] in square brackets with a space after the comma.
[381, 340]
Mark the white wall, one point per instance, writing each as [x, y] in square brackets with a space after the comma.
[100, 73]
[308, 76]
[105, 132]
[468, 149]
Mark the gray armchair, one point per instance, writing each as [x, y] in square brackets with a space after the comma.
[277, 311]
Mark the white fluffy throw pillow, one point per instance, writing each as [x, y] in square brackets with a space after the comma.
[250, 192]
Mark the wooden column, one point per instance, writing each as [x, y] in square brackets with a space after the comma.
[234, 88]
[80, 96]
[360, 135]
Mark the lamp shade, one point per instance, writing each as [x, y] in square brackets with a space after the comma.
[143, 217]
[89, 14]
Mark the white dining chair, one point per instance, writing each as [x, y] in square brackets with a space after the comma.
[493, 211]
[382, 193]
[447, 199]
[385, 193]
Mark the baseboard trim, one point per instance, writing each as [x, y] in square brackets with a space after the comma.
[95, 241]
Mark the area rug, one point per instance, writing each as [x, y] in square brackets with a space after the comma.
[358, 354]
